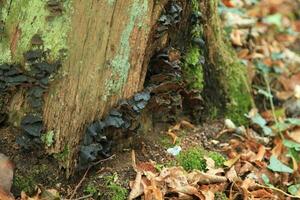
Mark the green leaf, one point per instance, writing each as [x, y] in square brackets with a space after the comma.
[291, 144]
[266, 180]
[277, 55]
[267, 130]
[294, 189]
[265, 93]
[277, 166]
[293, 121]
[259, 120]
[274, 19]
[262, 67]
[48, 138]
[281, 126]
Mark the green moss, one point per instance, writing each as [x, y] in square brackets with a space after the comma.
[26, 184]
[31, 18]
[114, 190]
[28, 181]
[117, 192]
[218, 158]
[192, 69]
[193, 158]
[120, 64]
[91, 189]
[220, 196]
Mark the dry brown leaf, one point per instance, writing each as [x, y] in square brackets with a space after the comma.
[173, 136]
[295, 135]
[289, 83]
[277, 150]
[136, 187]
[5, 196]
[231, 175]
[247, 167]
[235, 37]
[187, 124]
[198, 177]
[284, 95]
[260, 154]
[231, 162]
[6, 173]
[262, 193]
[209, 195]
[151, 191]
[146, 166]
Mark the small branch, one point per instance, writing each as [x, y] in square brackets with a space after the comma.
[278, 190]
[79, 184]
[85, 174]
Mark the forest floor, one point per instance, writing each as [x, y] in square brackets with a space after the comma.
[215, 160]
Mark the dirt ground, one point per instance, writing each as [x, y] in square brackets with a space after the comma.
[35, 167]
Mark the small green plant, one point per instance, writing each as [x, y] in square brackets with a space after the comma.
[115, 190]
[48, 138]
[91, 189]
[26, 184]
[193, 158]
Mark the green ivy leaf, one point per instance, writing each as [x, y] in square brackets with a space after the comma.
[294, 189]
[277, 166]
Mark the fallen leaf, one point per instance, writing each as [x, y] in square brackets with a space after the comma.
[295, 135]
[231, 175]
[277, 166]
[231, 162]
[6, 173]
[260, 154]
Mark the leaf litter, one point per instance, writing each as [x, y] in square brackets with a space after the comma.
[262, 158]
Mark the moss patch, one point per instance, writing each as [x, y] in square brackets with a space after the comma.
[28, 181]
[193, 158]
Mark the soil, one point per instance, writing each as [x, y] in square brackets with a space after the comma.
[38, 168]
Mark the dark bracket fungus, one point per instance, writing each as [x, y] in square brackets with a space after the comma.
[171, 17]
[162, 95]
[35, 81]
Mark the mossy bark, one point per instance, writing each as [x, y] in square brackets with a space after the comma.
[105, 47]
[226, 85]
[102, 46]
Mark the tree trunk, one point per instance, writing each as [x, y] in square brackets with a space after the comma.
[104, 48]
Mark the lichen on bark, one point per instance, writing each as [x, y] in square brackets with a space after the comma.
[24, 19]
[120, 64]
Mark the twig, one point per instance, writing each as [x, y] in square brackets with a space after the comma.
[272, 104]
[84, 197]
[103, 160]
[79, 184]
[86, 172]
[278, 190]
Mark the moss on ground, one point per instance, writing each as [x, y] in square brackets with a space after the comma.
[194, 158]
[106, 187]
[28, 181]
